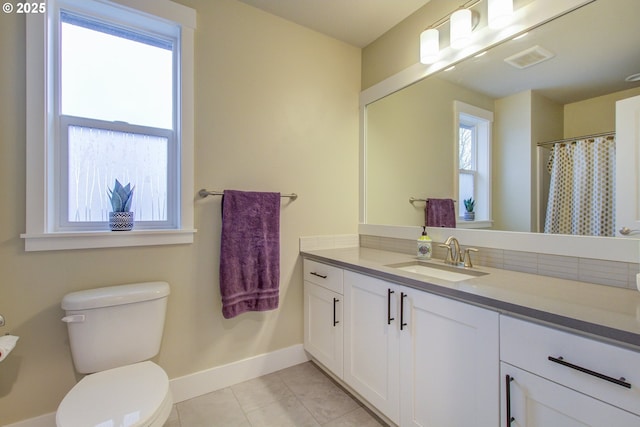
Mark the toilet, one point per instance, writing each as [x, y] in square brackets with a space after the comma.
[113, 331]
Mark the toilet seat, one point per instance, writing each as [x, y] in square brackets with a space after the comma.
[135, 395]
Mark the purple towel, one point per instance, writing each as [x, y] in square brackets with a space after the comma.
[440, 213]
[249, 252]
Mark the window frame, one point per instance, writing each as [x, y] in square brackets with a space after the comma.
[43, 143]
[481, 121]
[473, 172]
[62, 222]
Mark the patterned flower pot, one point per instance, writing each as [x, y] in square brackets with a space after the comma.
[469, 216]
[120, 221]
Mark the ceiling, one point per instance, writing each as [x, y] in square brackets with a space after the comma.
[595, 48]
[357, 22]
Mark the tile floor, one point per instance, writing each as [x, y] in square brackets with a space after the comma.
[298, 396]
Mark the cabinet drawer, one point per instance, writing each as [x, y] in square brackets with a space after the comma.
[324, 275]
[580, 363]
[536, 401]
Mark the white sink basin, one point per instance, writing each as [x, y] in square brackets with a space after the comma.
[452, 274]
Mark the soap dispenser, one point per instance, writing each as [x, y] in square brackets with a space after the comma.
[424, 245]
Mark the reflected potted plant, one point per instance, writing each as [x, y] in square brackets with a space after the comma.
[121, 218]
[469, 214]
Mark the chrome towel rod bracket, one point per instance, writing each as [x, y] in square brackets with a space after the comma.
[204, 193]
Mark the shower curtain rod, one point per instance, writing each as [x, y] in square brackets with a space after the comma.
[558, 141]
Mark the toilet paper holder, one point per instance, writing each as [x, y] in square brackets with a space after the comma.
[1, 320]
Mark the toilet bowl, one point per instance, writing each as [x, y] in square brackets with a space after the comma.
[113, 331]
[136, 395]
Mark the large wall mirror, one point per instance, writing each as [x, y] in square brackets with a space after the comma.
[410, 134]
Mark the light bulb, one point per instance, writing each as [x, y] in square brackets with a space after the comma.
[429, 46]
[499, 13]
[461, 27]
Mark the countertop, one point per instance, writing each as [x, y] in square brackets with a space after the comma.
[603, 312]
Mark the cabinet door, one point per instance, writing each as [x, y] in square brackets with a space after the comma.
[449, 362]
[537, 402]
[323, 328]
[371, 341]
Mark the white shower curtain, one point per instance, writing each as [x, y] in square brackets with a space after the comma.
[582, 188]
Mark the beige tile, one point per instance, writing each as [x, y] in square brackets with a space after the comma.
[321, 396]
[300, 377]
[525, 262]
[604, 272]
[217, 409]
[633, 270]
[489, 257]
[328, 403]
[261, 391]
[358, 418]
[288, 412]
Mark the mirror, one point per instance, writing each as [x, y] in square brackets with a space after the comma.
[410, 134]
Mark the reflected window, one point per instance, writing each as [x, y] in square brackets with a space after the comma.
[467, 165]
[474, 158]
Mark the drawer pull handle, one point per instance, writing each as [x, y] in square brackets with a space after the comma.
[508, 380]
[402, 322]
[389, 318]
[313, 273]
[621, 382]
[335, 322]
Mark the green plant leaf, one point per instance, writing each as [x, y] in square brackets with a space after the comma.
[121, 197]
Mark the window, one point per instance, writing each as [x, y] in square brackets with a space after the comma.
[116, 121]
[115, 102]
[473, 159]
[467, 164]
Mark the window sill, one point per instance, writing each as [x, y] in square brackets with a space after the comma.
[105, 239]
[483, 223]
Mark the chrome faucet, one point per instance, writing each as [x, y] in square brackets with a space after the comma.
[454, 256]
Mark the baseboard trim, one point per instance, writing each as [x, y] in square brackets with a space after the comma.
[203, 382]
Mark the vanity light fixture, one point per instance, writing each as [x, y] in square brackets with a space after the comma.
[633, 78]
[429, 46]
[461, 25]
[499, 13]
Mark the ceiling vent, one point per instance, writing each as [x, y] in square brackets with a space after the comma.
[529, 57]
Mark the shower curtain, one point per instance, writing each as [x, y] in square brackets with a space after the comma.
[582, 188]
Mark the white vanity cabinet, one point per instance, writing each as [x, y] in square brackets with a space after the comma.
[421, 359]
[449, 358]
[323, 318]
[371, 363]
[555, 378]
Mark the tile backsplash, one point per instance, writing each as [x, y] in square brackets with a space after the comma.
[602, 272]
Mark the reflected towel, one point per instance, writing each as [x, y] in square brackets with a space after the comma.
[440, 213]
[249, 252]
[7, 343]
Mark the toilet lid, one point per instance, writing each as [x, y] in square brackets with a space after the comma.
[129, 396]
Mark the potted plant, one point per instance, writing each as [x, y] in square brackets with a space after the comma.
[469, 204]
[121, 219]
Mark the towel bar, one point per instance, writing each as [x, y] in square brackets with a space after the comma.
[413, 199]
[204, 193]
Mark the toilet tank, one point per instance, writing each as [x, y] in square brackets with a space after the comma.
[116, 325]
